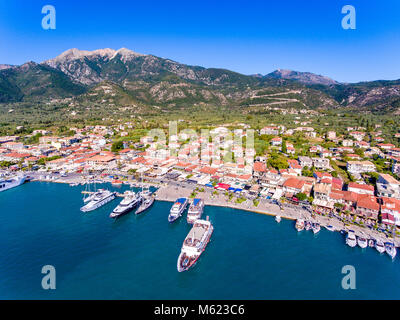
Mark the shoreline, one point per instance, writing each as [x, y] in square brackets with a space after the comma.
[171, 193]
[164, 194]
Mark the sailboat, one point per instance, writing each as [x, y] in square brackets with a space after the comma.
[88, 193]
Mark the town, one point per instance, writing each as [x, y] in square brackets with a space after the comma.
[351, 176]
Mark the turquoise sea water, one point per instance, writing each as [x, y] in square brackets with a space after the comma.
[250, 256]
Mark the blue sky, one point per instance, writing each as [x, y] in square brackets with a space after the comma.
[244, 36]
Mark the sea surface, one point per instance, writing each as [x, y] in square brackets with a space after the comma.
[250, 256]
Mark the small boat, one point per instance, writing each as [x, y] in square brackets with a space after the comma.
[390, 249]
[316, 228]
[195, 210]
[74, 184]
[130, 201]
[351, 240]
[307, 225]
[299, 225]
[177, 209]
[117, 183]
[371, 243]
[380, 246]
[278, 219]
[330, 228]
[362, 242]
[194, 244]
[147, 203]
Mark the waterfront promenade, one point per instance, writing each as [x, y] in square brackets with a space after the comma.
[168, 193]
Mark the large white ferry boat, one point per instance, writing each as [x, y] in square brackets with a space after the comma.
[131, 200]
[12, 182]
[195, 243]
[177, 209]
[101, 198]
[195, 210]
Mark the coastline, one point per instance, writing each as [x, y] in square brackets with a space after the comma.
[165, 193]
[171, 193]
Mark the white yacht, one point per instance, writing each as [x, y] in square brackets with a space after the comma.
[362, 242]
[390, 249]
[12, 182]
[177, 209]
[131, 200]
[146, 203]
[195, 210]
[101, 198]
[351, 239]
[195, 243]
[380, 246]
[278, 219]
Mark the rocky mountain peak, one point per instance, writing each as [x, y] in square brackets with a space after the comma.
[304, 77]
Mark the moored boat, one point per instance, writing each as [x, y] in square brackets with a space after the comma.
[380, 246]
[12, 182]
[278, 219]
[316, 228]
[116, 183]
[131, 200]
[371, 243]
[362, 242]
[146, 203]
[299, 225]
[194, 244]
[195, 210]
[351, 239]
[307, 225]
[101, 198]
[177, 209]
[330, 228]
[390, 249]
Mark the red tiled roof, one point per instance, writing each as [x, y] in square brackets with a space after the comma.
[361, 186]
[208, 170]
[259, 167]
[293, 183]
[368, 202]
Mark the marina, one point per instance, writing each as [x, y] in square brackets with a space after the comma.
[85, 246]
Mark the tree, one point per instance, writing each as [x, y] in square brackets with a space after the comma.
[284, 148]
[117, 145]
[301, 196]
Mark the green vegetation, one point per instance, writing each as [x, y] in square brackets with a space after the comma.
[117, 146]
[277, 161]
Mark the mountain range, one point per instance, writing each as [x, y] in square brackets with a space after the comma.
[124, 78]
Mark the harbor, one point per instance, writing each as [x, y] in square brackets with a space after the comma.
[166, 193]
[135, 256]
